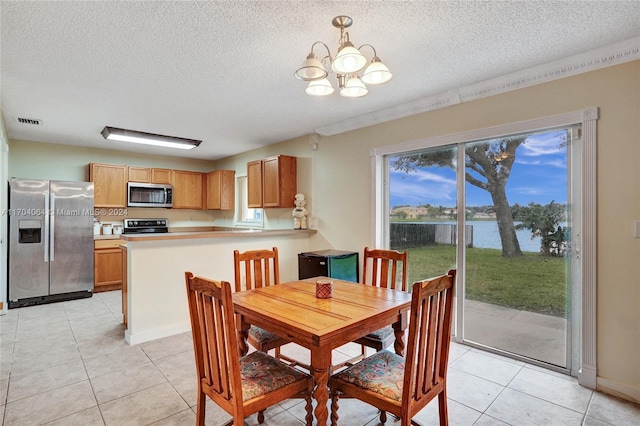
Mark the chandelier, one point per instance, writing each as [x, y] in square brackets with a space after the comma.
[346, 64]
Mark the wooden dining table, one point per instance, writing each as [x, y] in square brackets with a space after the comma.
[292, 310]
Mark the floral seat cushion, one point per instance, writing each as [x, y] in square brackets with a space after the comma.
[381, 334]
[262, 373]
[262, 335]
[382, 372]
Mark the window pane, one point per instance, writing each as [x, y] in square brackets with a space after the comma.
[244, 215]
[423, 211]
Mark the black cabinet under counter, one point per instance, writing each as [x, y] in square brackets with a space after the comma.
[342, 265]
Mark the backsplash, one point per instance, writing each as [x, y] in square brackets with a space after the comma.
[176, 217]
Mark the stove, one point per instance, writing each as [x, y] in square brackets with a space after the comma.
[146, 226]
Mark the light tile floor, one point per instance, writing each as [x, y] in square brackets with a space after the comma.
[67, 364]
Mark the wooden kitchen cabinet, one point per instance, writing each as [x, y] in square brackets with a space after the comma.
[138, 174]
[254, 184]
[221, 190]
[109, 185]
[279, 181]
[161, 176]
[149, 175]
[107, 265]
[187, 189]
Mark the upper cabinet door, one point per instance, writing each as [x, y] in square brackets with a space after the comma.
[279, 181]
[139, 174]
[149, 175]
[221, 190]
[187, 189]
[254, 184]
[109, 185]
[161, 176]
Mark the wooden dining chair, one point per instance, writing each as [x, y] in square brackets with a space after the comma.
[404, 386]
[387, 269]
[239, 385]
[255, 269]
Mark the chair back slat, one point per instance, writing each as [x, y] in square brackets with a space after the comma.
[209, 337]
[214, 338]
[220, 375]
[429, 337]
[261, 268]
[258, 273]
[444, 330]
[422, 369]
[381, 268]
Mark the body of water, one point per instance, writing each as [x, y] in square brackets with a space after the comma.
[486, 235]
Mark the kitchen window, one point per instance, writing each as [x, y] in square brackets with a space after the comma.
[246, 216]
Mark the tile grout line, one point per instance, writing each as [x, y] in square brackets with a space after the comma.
[504, 387]
[95, 397]
[544, 400]
[171, 384]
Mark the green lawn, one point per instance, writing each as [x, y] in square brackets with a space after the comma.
[533, 283]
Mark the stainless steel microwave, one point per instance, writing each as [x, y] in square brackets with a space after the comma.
[149, 195]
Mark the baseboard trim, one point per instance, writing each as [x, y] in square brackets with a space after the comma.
[137, 338]
[618, 389]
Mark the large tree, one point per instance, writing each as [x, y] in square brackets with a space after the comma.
[544, 223]
[488, 166]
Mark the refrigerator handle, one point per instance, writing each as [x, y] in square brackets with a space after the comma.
[52, 225]
[46, 228]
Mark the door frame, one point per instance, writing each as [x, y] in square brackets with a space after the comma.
[585, 369]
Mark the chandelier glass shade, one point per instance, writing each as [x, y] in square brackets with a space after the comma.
[320, 87]
[347, 63]
[377, 72]
[354, 88]
[348, 60]
[312, 68]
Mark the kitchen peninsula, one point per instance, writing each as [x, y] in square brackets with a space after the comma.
[154, 296]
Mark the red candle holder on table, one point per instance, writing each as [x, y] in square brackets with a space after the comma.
[324, 289]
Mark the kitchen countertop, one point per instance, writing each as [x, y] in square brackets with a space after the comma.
[107, 237]
[216, 234]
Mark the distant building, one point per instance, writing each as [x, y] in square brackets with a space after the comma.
[412, 212]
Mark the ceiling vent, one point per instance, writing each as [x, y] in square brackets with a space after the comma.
[32, 121]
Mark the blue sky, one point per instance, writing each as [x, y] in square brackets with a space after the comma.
[539, 175]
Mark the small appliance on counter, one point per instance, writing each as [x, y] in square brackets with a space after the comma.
[146, 226]
[97, 227]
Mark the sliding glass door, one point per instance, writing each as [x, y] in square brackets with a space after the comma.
[512, 197]
[517, 286]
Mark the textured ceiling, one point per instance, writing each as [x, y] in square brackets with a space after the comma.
[222, 71]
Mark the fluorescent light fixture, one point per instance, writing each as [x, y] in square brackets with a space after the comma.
[133, 136]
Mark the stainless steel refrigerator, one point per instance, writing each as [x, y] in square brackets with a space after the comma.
[51, 241]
